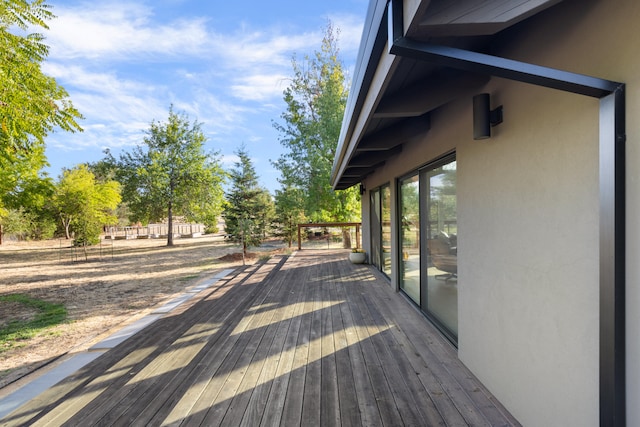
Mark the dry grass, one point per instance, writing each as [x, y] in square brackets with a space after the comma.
[118, 284]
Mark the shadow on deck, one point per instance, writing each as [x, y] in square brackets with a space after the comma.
[309, 339]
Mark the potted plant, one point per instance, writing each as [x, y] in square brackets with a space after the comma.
[357, 256]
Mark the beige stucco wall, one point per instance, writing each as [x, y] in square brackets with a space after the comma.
[528, 256]
[528, 219]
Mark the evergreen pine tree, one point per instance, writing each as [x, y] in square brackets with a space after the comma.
[247, 205]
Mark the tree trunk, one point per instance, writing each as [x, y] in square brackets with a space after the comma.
[244, 252]
[66, 225]
[346, 238]
[170, 227]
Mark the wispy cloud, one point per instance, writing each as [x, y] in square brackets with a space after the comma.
[116, 31]
[123, 65]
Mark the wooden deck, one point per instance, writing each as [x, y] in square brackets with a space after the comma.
[305, 340]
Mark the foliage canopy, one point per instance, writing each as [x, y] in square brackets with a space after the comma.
[316, 99]
[289, 212]
[170, 174]
[32, 104]
[85, 205]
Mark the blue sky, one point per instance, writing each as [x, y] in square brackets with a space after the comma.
[222, 63]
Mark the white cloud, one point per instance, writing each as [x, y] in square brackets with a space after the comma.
[263, 49]
[106, 98]
[120, 30]
[123, 68]
[229, 160]
[259, 87]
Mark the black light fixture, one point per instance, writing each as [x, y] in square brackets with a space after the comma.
[484, 117]
[362, 189]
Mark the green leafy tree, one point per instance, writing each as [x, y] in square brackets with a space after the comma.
[172, 175]
[289, 212]
[316, 99]
[104, 170]
[266, 214]
[32, 104]
[16, 222]
[248, 209]
[85, 205]
[25, 189]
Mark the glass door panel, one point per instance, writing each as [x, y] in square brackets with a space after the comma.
[410, 237]
[375, 229]
[385, 199]
[441, 299]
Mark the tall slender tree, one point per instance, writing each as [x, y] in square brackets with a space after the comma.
[172, 175]
[316, 99]
[249, 206]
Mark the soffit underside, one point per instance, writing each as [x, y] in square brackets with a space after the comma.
[417, 88]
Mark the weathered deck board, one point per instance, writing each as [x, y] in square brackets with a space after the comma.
[312, 341]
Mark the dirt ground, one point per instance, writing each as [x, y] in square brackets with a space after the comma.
[113, 284]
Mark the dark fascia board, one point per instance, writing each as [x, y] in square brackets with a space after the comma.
[372, 45]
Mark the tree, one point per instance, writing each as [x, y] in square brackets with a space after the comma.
[289, 212]
[26, 192]
[316, 100]
[172, 175]
[266, 214]
[248, 208]
[32, 104]
[16, 222]
[106, 170]
[84, 205]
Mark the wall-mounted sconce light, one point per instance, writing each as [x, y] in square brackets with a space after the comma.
[362, 189]
[484, 117]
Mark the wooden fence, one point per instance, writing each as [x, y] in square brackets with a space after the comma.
[327, 236]
[153, 231]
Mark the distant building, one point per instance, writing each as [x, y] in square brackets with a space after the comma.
[499, 194]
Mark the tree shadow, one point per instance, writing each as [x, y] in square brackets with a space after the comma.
[280, 343]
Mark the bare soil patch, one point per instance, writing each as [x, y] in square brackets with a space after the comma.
[15, 311]
[103, 289]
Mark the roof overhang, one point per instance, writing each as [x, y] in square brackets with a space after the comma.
[391, 92]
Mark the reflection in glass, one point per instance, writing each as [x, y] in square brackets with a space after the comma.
[386, 229]
[375, 229]
[410, 237]
[442, 242]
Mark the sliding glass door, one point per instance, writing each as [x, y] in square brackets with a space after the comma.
[428, 242]
[376, 227]
[385, 211]
[410, 237]
[440, 283]
[380, 205]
